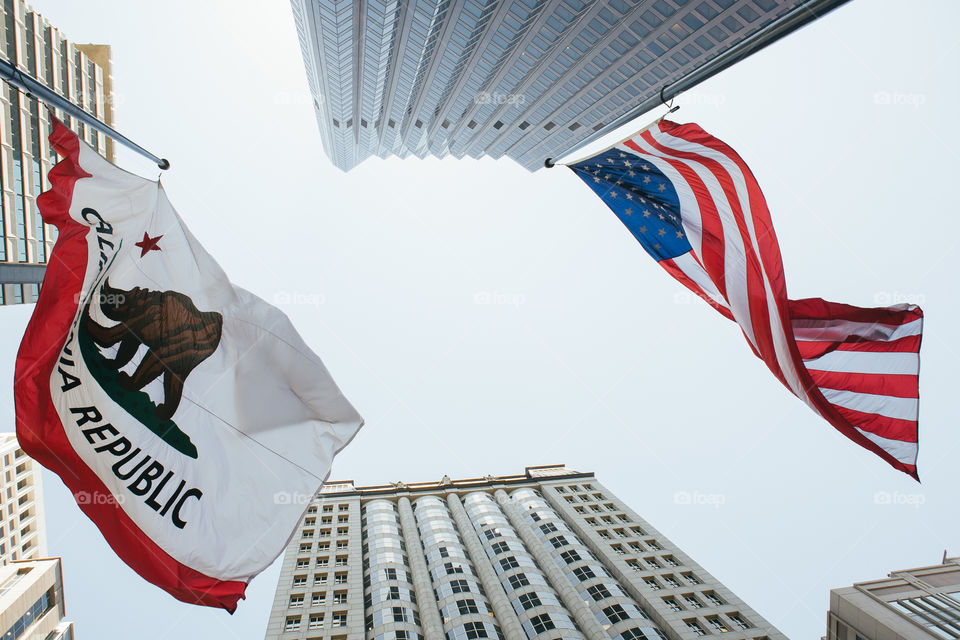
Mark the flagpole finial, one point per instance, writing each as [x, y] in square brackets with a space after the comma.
[164, 164]
[549, 163]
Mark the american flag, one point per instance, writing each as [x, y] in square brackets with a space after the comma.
[695, 207]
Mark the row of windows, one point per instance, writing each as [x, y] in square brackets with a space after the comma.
[306, 547]
[320, 579]
[322, 562]
[317, 598]
[671, 580]
[325, 533]
[315, 621]
[717, 623]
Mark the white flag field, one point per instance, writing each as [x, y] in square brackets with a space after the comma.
[187, 416]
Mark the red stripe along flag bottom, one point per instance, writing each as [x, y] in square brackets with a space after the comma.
[187, 416]
[694, 206]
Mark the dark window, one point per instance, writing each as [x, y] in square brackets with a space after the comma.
[615, 613]
[519, 580]
[529, 600]
[542, 623]
[559, 541]
[584, 573]
[500, 547]
[467, 606]
[508, 563]
[598, 592]
[459, 586]
[475, 630]
[548, 527]
[570, 556]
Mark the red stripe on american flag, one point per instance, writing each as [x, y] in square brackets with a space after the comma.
[810, 349]
[891, 428]
[817, 308]
[882, 384]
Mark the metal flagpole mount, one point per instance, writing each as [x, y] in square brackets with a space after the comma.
[39, 91]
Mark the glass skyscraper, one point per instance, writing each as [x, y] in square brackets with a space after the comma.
[517, 78]
[547, 555]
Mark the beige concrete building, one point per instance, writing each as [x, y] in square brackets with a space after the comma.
[547, 555]
[23, 534]
[31, 601]
[81, 73]
[915, 604]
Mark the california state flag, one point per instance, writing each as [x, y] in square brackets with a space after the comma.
[187, 415]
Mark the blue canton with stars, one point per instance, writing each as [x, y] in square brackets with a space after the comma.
[642, 197]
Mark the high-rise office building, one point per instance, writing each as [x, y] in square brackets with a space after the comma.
[520, 78]
[81, 73]
[31, 601]
[23, 534]
[914, 604]
[547, 555]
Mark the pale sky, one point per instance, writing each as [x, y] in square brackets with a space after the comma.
[593, 356]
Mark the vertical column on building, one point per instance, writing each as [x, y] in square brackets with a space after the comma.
[571, 599]
[508, 620]
[426, 600]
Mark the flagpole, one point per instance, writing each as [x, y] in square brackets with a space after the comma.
[780, 27]
[36, 89]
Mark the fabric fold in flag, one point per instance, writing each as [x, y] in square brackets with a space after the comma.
[696, 208]
[187, 416]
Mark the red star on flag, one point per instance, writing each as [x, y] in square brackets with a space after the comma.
[148, 244]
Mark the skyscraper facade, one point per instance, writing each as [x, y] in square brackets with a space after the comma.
[81, 73]
[518, 78]
[23, 532]
[547, 555]
[914, 604]
[31, 601]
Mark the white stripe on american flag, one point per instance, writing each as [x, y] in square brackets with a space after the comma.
[839, 329]
[866, 362]
[688, 264]
[899, 408]
[905, 452]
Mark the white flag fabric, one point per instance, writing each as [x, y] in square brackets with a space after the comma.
[187, 416]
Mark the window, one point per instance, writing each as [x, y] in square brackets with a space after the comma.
[312, 509]
[340, 597]
[296, 600]
[467, 606]
[459, 586]
[340, 619]
[341, 561]
[343, 507]
[341, 544]
[692, 601]
[492, 533]
[316, 621]
[571, 556]
[548, 527]
[510, 562]
[615, 613]
[621, 533]
[604, 535]
[559, 541]
[308, 533]
[299, 581]
[673, 604]
[670, 560]
[652, 584]
[340, 577]
[542, 623]
[342, 531]
[652, 562]
[453, 568]
[637, 531]
[320, 578]
[323, 561]
[390, 574]
[499, 547]
[717, 624]
[292, 623]
[519, 580]
[303, 563]
[319, 597]
[712, 598]
[691, 578]
[619, 549]
[535, 516]
[598, 592]
[653, 544]
[399, 614]
[560, 489]
[475, 630]
[529, 600]
[584, 573]
[670, 580]
[343, 518]
[694, 626]
[738, 620]
[306, 548]
[327, 508]
[633, 634]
